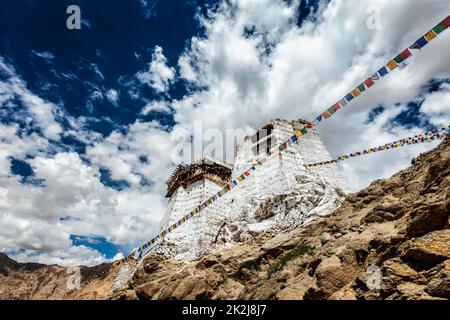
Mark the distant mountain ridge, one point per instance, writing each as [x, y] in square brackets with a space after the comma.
[39, 281]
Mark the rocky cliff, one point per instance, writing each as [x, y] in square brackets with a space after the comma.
[388, 241]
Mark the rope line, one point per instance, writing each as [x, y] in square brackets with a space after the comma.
[428, 137]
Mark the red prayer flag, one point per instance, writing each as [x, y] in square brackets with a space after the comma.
[446, 22]
[309, 125]
[337, 106]
[406, 54]
[369, 82]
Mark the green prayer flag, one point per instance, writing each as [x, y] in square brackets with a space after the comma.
[361, 87]
[399, 59]
[439, 28]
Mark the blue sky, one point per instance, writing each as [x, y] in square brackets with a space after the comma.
[65, 66]
[90, 117]
[116, 41]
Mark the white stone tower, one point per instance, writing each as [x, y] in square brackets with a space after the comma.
[304, 194]
[188, 187]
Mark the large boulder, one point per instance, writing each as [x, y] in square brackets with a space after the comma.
[431, 249]
[429, 214]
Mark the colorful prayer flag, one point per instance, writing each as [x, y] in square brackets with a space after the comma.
[361, 87]
[420, 43]
[343, 102]
[439, 28]
[319, 118]
[331, 110]
[326, 114]
[304, 131]
[399, 59]
[446, 22]
[356, 92]
[375, 77]
[369, 82]
[349, 97]
[430, 35]
[383, 71]
[406, 54]
[392, 65]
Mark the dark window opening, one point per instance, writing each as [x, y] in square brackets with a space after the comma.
[263, 140]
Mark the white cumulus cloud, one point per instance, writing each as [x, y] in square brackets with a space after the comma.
[159, 75]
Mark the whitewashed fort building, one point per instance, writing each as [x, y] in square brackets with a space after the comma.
[279, 194]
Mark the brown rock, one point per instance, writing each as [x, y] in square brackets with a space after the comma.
[147, 290]
[411, 291]
[430, 215]
[439, 285]
[190, 288]
[345, 293]
[332, 275]
[395, 267]
[229, 290]
[131, 295]
[266, 291]
[296, 288]
[430, 249]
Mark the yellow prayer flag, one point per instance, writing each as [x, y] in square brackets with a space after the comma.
[326, 114]
[430, 35]
[392, 65]
[356, 92]
[298, 133]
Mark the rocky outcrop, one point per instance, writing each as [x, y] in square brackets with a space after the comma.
[388, 241]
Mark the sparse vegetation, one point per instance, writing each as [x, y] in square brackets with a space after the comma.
[249, 265]
[282, 260]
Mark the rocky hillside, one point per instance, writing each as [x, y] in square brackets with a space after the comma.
[39, 281]
[388, 241]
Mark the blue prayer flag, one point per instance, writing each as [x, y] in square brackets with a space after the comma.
[349, 97]
[383, 71]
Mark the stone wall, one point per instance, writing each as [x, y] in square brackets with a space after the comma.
[191, 239]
